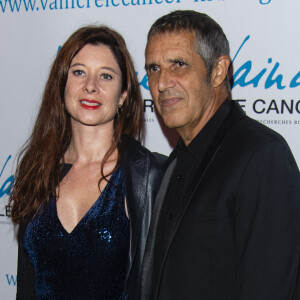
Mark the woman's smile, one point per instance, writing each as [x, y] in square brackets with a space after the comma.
[90, 104]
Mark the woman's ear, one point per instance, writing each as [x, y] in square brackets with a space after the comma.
[123, 97]
[220, 71]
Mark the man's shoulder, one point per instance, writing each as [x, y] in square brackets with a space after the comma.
[251, 132]
[254, 133]
[249, 138]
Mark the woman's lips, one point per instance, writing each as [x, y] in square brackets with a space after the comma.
[89, 104]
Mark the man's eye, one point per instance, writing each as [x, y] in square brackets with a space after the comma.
[180, 63]
[106, 76]
[78, 73]
[152, 69]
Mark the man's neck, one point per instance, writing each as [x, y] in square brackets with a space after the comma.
[188, 132]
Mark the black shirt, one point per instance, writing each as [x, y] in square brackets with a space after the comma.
[188, 161]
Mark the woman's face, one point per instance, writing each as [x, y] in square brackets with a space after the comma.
[93, 88]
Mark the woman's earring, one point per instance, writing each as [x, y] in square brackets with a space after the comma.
[119, 110]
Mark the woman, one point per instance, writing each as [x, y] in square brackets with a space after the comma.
[72, 246]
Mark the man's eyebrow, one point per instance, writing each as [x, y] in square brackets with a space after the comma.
[176, 60]
[170, 61]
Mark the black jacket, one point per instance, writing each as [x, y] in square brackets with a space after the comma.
[237, 235]
[142, 172]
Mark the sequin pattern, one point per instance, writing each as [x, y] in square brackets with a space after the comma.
[88, 263]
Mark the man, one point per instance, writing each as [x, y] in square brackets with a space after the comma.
[226, 222]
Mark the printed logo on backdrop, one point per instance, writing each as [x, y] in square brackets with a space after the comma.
[11, 279]
[6, 183]
[264, 2]
[268, 77]
[15, 6]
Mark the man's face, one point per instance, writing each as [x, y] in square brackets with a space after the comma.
[177, 82]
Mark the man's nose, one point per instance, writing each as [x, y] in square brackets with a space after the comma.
[166, 80]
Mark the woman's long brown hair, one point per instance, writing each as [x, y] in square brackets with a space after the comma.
[39, 162]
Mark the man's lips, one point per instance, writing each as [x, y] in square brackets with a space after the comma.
[90, 104]
[170, 101]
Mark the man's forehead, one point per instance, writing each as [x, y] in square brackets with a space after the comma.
[180, 40]
[174, 33]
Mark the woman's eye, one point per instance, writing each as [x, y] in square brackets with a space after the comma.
[106, 76]
[78, 72]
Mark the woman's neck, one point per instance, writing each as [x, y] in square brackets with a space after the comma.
[89, 144]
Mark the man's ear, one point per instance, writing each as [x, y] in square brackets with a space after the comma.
[220, 71]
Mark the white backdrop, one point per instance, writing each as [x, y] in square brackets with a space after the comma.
[265, 46]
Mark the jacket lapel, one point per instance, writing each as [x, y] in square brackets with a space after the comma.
[133, 161]
[147, 269]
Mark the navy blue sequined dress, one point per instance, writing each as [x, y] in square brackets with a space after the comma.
[88, 263]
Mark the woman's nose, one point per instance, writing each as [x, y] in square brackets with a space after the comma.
[91, 85]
